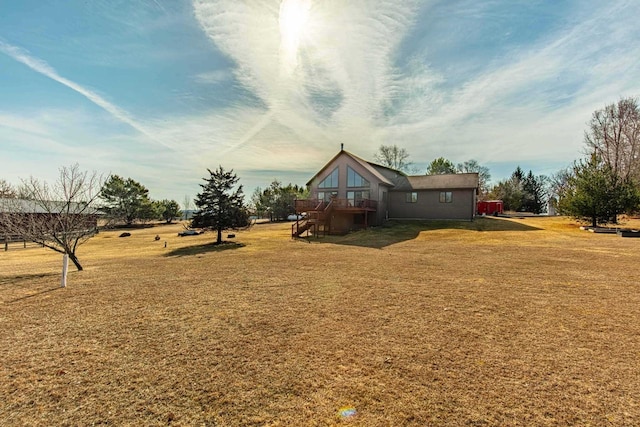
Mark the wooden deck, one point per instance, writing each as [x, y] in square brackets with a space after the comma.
[318, 214]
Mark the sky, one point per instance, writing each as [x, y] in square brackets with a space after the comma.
[162, 90]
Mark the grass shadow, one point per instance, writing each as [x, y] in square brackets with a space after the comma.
[201, 249]
[399, 231]
[11, 280]
[46, 291]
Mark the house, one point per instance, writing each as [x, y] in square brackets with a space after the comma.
[350, 193]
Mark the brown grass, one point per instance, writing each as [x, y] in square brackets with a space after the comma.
[495, 322]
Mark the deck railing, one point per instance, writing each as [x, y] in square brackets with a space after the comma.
[310, 205]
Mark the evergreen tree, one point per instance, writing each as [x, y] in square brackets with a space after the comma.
[168, 210]
[595, 193]
[534, 193]
[277, 201]
[510, 192]
[220, 207]
[126, 200]
[441, 166]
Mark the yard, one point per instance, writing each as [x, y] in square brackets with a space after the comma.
[496, 322]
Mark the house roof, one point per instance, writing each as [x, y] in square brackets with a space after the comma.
[433, 182]
[382, 173]
[34, 207]
[399, 181]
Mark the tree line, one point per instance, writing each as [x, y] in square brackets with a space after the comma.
[596, 188]
[606, 182]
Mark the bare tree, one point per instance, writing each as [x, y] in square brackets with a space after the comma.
[484, 176]
[6, 190]
[186, 206]
[393, 157]
[61, 216]
[614, 136]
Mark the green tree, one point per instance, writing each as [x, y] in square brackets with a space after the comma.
[522, 192]
[441, 166]
[168, 210]
[594, 192]
[393, 157]
[510, 192]
[534, 189]
[126, 200]
[276, 201]
[219, 206]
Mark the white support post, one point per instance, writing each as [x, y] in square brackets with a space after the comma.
[65, 267]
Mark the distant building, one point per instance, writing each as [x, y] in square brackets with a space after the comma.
[19, 211]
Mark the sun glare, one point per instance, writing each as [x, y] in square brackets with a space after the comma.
[293, 19]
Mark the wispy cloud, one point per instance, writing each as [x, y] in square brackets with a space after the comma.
[266, 86]
[45, 69]
[337, 79]
[346, 83]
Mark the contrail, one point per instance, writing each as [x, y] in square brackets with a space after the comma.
[264, 121]
[45, 69]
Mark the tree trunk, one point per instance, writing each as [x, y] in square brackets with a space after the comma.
[219, 236]
[75, 261]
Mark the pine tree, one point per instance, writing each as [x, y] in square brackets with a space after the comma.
[595, 193]
[126, 200]
[534, 193]
[219, 206]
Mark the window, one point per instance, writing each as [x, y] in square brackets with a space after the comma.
[412, 197]
[354, 179]
[331, 181]
[326, 196]
[446, 197]
[355, 198]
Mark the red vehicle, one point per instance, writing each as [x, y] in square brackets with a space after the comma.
[490, 207]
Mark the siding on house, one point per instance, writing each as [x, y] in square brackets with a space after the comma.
[389, 188]
[428, 205]
[461, 204]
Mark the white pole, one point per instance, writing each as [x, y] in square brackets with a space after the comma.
[65, 267]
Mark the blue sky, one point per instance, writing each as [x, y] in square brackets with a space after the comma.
[161, 90]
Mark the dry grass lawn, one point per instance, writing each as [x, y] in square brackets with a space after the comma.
[496, 322]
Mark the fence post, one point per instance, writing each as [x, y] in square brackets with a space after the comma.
[6, 243]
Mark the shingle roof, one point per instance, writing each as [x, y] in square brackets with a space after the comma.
[399, 181]
[31, 206]
[444, 181]
[374, 169]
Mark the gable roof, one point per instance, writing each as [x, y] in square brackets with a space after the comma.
[437, 182]
[399, 181]
[378, 171]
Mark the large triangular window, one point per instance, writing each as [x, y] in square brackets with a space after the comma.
[331, 181]
[354, 179]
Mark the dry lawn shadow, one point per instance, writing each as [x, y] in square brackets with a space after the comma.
[13, 279]
[201, 249]
[35, 294]
[399, 231]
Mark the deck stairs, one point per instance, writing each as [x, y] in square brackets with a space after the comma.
[316, 221]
